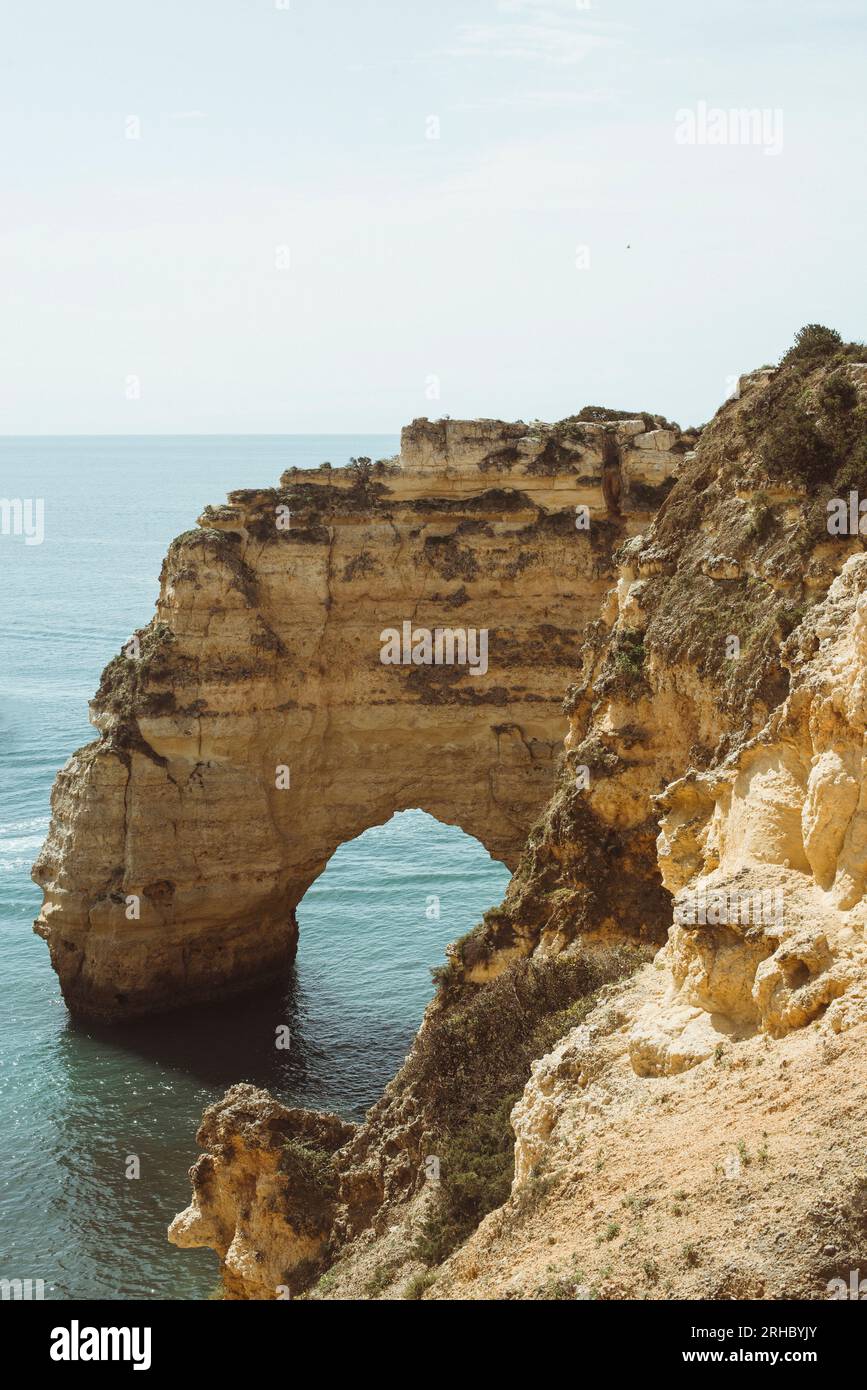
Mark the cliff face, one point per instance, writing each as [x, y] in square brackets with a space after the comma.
[711, 798]
[785, 819]
[700, 1134]
[252, 727]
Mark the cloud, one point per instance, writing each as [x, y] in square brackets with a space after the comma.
[551, 100]
[556, 33]
[549, 42]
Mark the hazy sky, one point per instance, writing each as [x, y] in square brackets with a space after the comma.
[285, 249]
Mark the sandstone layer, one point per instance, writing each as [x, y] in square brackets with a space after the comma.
[710, 798]
[251, 728]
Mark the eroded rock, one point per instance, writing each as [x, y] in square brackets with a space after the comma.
[255, 727]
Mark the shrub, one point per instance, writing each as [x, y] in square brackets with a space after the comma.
[812, 342]
[853, 474]
[311, 1182]
[361, 470]
[629, 656]
[837, 394]
[793, 448]
[419, 1284]
[603, 415]
[816, 436]
[843, 424]
[471, 1062]
[477, 1166]
[480, 1048]
[381, 1277]
[623, 671]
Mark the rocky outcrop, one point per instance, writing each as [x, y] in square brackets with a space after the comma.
[684, 667]
[699, 1135]
[711, 803]
[766, 857]
[709, 1085]
[263, 1192]
[252, 727]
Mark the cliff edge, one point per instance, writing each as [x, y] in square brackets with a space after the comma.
[583, 1114]
[255, 725]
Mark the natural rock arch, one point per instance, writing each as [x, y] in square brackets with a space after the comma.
[254, 728]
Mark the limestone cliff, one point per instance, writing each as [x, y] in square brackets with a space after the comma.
[701, 1134]
[252, 728]
[711, 797]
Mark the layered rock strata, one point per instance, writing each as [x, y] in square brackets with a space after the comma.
[711, 799]
[252, 727]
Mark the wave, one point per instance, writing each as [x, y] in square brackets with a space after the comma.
[17, 826]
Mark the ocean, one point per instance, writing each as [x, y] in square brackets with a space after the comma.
[76, 1100]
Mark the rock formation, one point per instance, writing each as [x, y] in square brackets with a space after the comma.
[274, 1165]
[710, 802]
[700, 1134]
[252, 727]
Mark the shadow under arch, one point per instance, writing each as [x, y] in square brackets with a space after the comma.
[371, 926]
[353, 1000]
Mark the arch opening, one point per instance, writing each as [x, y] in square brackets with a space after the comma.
[371, 927]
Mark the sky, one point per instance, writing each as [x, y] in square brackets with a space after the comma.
[293, 216]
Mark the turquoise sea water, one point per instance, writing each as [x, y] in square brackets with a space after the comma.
[76, 1100]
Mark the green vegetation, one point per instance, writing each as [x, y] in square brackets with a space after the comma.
[564, 1286]
[361, 469]
[623, 670]
[419, 1284]
[602, 415]
[807, 425]
[311, 1180]
[792, 447]
[471, 1063]
[326, 1283]
[382, 1276]
[628, 656]
[812, 344]
[122, 684]
[477, 1167]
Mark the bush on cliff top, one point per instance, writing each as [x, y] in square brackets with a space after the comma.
[603, 415]
[807, 425]
[812, 343]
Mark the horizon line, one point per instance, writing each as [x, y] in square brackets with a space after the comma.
[200, 434]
